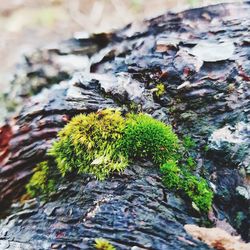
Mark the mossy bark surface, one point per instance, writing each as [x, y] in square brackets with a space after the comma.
[201, 57]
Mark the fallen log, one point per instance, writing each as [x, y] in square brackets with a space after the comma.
[200, 57]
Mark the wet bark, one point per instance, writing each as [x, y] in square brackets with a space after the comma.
[202, 58]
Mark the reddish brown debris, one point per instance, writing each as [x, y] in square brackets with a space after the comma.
[5, 136]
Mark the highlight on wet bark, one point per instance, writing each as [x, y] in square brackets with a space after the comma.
[104, 142]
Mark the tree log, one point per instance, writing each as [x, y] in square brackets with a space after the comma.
[202, 58]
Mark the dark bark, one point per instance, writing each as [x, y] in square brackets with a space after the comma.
[207, 96]
[128, 210]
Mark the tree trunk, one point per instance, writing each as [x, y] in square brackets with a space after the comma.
[202, 58]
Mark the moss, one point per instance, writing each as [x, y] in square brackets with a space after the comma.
[188, 142]
[190, 163]
[171, 175]
[103, 142]
[206, 148]
[102, 244]
[160, 89]
[147, 138]
[186, 183]
[100, 143]
[198, 191]
[88, 144]
[134, 107]
[41, 182]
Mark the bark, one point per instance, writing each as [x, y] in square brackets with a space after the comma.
[202, 58]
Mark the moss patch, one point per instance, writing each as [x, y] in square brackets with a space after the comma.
[103, 142]
[43, 180]
[148, 138]
[102, 244]
[89, 144]
[160, 89]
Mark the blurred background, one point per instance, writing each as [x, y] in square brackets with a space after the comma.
[27, 24]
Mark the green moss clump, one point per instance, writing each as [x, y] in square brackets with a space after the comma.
[148, 138]
[102, 244]
[188, 142]
[103, 142]
[183, 181]
[41, 182]
[191, 164]
[171, 175]
[198, 191]
[133, 107]
[100, 143]
[89, 144]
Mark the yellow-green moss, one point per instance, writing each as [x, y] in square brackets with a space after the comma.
[103, 142]
[102, 244]
[160, 89]
[100, 143]
[88, 144]
[41, 182]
